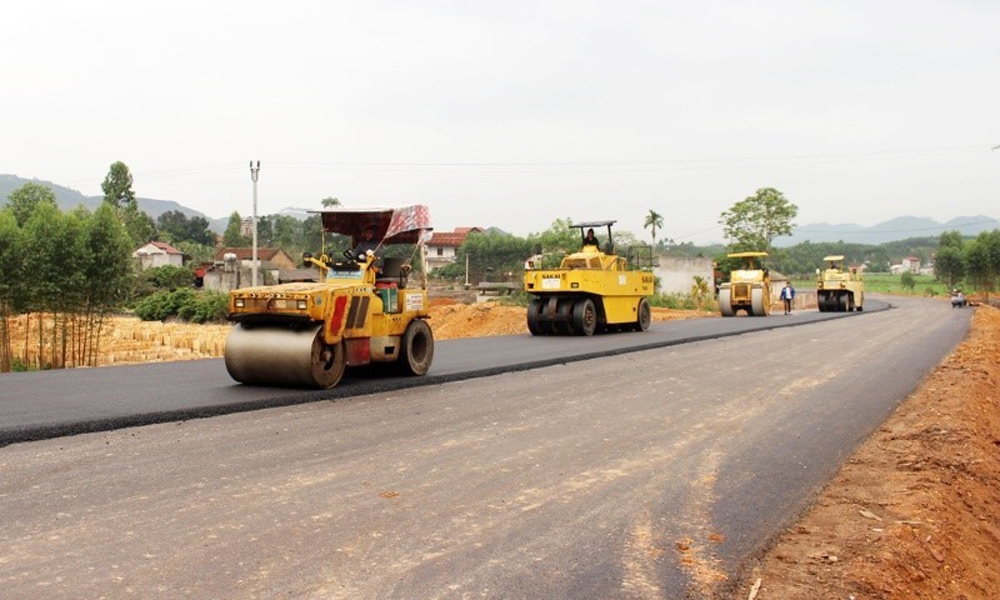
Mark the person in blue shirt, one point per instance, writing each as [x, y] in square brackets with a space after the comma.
[787, 295]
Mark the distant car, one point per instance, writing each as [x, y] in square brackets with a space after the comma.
[958, 300]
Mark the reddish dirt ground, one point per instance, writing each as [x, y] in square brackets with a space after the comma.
[913, 514]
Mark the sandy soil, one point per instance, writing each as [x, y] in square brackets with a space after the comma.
[913, 514]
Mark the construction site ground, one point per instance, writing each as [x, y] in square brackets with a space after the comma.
[912, 514]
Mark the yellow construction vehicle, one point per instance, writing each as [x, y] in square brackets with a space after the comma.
[748, 288]
[839, 289]
[361, 311]
[592, 290]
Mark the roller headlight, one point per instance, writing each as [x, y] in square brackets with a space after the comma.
[302, 304]
[238, 302]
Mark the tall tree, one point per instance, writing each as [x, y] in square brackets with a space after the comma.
[654, 221]
[49, 245]
[108, 270]
[754, 222]
[12, 264]
[979, 263]
[311, 236]
[265, 231]
[117, 186]
[286, 232]
[949, 261]
[24, 200]
[233, 236]
[330, 201]
[139, 225]
[118, 193]
[176, 227]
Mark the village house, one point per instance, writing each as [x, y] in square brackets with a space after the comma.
[269, 258]
[443, 246]
[233, 268]
[913, 265]
[158, 254]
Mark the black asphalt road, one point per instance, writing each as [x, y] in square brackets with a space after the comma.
[655, 474]
[41, 405]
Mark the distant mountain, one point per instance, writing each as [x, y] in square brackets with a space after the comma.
[892, 230]
[68, 198]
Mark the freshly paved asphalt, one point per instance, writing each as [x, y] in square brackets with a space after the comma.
[657, 474]
[41, 405]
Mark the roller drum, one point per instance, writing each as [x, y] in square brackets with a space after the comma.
[758, 302]
[264, 355]
[726, 303]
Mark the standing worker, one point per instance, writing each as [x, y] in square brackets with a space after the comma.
[788, 294]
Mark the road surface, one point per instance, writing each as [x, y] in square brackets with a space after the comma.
[654, 474]
[40, 405]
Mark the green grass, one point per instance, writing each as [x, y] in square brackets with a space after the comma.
[884, 283]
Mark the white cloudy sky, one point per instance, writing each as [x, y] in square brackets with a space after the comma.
[514, 113]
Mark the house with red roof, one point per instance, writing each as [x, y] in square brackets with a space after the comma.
[158, 254]
[443, 246]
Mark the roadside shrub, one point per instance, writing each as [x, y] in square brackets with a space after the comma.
[155, 307]
[205, 307]
[169, 277]
[184, 303]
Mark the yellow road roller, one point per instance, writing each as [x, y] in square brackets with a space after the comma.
[839, 289]
[361, 310]
[592, 290]
[748, 288]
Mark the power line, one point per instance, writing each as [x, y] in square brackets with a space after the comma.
[550, 167]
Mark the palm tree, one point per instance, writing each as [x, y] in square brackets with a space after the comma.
[654, 221]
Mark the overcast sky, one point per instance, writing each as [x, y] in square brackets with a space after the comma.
[513, 114]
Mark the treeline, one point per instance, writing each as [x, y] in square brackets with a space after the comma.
[63, 274]
[66, 271]
[804, 258]
[975, 261]
[970, 261]
[495, 255]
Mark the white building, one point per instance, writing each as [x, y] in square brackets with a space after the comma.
[158, 254]
[443, 245]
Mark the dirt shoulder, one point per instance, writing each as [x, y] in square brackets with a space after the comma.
[913, 514]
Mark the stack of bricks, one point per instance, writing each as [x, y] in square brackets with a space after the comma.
[128, 340]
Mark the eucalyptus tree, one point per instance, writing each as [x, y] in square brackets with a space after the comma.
[23, 201]
[109, 276]
[982, 259]
[12, 264]
[117, 188]
[51, 243]
[949, 261]
[233, 236]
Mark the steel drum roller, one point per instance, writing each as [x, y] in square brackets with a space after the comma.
[267, 355]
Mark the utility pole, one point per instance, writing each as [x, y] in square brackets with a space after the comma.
[253, 177]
